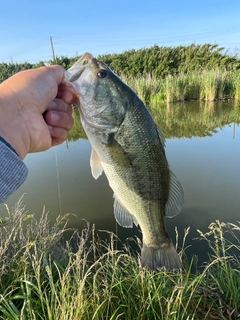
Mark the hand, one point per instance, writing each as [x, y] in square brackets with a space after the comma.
[35, 108]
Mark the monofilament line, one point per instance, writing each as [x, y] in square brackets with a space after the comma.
[58, 182]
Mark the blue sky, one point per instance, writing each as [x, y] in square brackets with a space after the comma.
[109, 26]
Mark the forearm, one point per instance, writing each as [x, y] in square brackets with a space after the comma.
[13, 171]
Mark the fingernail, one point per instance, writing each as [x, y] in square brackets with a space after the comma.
[55, 117]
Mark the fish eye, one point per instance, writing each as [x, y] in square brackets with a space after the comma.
[102, 73]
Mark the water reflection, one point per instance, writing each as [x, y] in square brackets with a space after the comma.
[202, 148]
[195, 119]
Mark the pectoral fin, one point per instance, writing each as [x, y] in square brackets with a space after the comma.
[95, 164]
[123, 216]
[116, 151]
[175, 198]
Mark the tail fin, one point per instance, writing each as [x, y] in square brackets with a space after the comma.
[162, 257]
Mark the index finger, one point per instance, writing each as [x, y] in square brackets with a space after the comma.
[56, 71]
[67, 92]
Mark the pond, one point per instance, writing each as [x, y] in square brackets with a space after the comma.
[202, 147]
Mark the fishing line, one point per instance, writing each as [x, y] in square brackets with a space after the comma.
[58, 182]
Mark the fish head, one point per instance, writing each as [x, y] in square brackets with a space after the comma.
[102, 94]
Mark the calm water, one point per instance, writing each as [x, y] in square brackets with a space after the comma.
[203, 151]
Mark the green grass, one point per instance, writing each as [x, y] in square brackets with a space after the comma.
[208, 85]
[43, 276]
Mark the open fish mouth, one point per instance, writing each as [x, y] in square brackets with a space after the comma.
[78, 67]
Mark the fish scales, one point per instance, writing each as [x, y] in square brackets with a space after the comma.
[143, 186]
[129, 148]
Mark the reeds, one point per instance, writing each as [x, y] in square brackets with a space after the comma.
[208, 85]
[236, 84]
[44, 276]
[146, 87]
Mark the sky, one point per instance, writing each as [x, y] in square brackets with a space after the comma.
[112, 26]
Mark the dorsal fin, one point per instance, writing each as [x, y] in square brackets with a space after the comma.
[175, 198]
[161, 136]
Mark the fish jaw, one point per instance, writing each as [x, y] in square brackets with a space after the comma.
[101, 112]
[73, 73]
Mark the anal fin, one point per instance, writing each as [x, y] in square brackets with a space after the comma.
[123, 217]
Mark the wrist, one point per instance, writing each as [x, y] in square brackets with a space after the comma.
[15, 143]
[8, 145]
[10, 129]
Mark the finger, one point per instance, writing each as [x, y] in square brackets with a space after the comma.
[58, 135]
[60, 105]
[56, 71]
[67, 92]
[68, 96]
[59, 119]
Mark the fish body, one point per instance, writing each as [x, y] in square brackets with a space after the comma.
[129, 148]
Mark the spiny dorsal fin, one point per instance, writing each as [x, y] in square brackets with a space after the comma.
[176, 197]
[95, 164]
[161, 136]
[122, 215]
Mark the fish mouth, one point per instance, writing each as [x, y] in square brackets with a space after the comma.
[73, 74]
[78, 67]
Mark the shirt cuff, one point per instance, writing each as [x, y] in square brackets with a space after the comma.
[13, 171]
[7, 144]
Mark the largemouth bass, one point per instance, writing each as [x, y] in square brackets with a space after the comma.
[129, 147]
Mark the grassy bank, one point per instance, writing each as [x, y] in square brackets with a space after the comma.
[208, 85]
[44, 277]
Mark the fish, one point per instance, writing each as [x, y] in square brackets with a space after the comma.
[129, 148]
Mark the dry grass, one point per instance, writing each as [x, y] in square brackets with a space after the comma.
[44, 276]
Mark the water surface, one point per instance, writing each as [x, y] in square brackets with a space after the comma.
[202, 146]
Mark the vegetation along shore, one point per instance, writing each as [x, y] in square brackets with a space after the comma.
[178, 73]
[45, 276]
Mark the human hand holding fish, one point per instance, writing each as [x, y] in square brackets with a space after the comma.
[35, 107]
[129, 148]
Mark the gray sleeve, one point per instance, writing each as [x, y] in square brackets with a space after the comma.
[13, 171]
